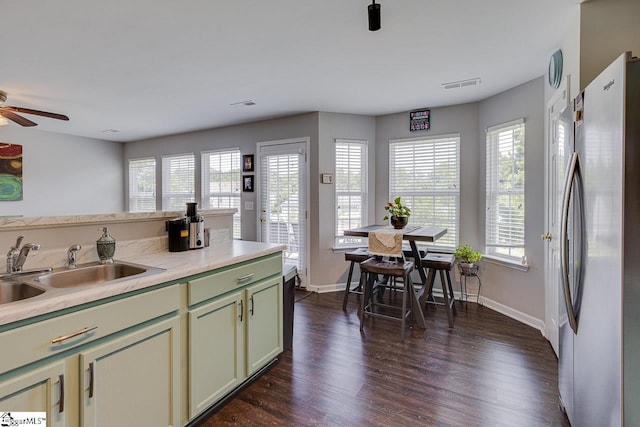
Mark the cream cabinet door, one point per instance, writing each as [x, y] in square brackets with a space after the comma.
[133, 379]
[216, 350]
[39, 390]
[264, 327]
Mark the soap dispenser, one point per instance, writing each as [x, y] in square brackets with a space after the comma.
[106, 247]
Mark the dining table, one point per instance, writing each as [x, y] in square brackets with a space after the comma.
[412, 234]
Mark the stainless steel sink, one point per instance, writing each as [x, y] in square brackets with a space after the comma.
[93, 274]
[12, 292]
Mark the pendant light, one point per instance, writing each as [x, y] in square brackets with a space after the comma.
[374, 16]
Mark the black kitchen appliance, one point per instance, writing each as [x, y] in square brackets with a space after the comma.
[178, 230]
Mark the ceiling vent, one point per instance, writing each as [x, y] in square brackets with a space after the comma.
[461, 83]
[247, 103]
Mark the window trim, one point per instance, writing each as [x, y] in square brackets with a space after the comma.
[490, 246]
[353, 242]
[155, 183]
[164, 194]
[456, 194]
[204, 172]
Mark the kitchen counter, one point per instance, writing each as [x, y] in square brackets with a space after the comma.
[177, 265]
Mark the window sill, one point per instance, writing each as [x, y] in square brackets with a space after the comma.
[505, 262]
[347, 248]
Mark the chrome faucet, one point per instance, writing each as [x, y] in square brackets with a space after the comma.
[12, 255]
[16, 258]
[22, 256]
[71, 256]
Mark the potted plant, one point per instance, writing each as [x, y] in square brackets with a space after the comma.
[467, 258]
[398, 213]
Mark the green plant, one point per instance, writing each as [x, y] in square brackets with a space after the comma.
[465, 253]
[396, 209]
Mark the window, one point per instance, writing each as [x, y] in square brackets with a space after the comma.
[178, 179]
[221, 183]
[142, 185]
[504, 221]
[425, 172]
[351, 189]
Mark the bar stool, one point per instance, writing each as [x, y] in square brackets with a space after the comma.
[389, 283]
[443, 263]
[357, 256]
[370, 269]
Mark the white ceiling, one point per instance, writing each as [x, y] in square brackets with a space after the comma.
[156, 67]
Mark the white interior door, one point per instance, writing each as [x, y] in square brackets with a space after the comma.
[282, 197]
[558, 151]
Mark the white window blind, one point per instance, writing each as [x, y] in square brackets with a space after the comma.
[178, 182]
[142, 185]
[283, 200]
[505, 190]
[222, 182]
[425, 172]
[350, 188]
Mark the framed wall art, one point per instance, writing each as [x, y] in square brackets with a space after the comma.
[247, 163]
[10, 172]
[247, 183]
[419, 120]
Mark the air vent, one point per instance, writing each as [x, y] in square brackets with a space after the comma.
[247, 103]
[461, 83]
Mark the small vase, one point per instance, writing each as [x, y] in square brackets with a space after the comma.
[106, 247]
[399, 222]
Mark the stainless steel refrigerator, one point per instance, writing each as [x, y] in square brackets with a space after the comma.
[599, 354]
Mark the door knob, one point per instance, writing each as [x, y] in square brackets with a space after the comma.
[546, 236]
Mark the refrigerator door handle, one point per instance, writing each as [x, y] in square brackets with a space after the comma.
[574, 167]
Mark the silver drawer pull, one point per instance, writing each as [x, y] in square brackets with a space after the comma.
[245, 278]
[82, 331]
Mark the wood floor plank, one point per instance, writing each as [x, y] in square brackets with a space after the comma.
[489, 370]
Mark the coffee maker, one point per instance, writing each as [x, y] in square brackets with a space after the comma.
[178, 229]
[196, 227]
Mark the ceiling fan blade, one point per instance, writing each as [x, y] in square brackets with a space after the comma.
[37, 112]
[16, 118]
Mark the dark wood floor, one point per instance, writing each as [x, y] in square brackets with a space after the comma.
[489, 370]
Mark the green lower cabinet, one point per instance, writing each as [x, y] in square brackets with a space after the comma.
[216, 351]
[264, 323]
[230, 338]
[133, 379]
[40, 390]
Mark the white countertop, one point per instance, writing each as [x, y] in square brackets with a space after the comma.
[177, 265]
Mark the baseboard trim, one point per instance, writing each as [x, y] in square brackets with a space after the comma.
[323, 289]
[514, 314]
[489, 303]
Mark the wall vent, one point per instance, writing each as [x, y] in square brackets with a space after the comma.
[461, 83]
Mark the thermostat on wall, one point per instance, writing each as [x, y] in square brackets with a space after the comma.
[326, 178]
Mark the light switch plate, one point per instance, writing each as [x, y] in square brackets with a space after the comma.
[327, 178]
[248, 206]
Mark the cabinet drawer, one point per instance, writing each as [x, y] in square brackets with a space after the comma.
[220, 282]
[39, 340]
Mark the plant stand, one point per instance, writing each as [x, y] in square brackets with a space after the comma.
[469, 270]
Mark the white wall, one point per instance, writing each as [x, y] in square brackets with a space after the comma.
[520, 291]
[64, 175]
[461, 119]
[331, 267]
[326, 268]
[245, 137]
[608, 28]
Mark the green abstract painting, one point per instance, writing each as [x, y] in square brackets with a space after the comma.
[10, 172]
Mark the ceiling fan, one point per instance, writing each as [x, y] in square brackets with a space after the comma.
[9, 112]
